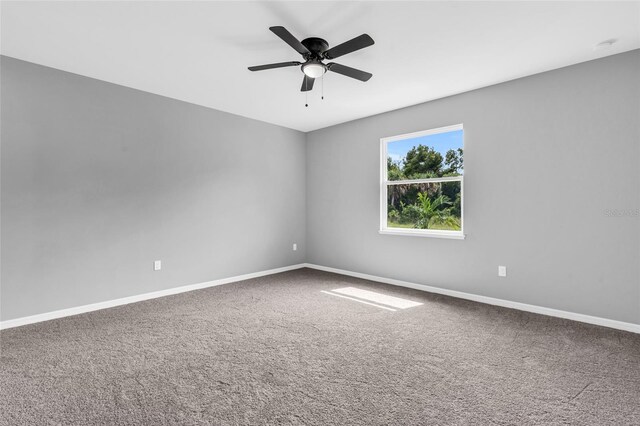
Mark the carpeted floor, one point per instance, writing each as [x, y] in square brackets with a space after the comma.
[276, 350]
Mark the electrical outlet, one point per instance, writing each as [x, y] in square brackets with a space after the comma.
[157, 265]
[502, 271]
[295, 247]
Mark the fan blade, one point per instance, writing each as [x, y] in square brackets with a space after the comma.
[288, 38]
[307, 84]
[352, 45]
[270, 66]
[349, 72]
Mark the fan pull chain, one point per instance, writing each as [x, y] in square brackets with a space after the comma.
[306, 93]
[322, 87]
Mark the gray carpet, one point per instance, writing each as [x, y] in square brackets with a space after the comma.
[275, 350]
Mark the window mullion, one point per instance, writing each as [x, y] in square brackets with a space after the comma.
[431, 180]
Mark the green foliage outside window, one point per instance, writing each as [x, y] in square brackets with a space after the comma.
[427, 205]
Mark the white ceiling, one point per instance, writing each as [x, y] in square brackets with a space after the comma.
[199, 51]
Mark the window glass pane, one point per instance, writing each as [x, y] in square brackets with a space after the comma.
[428, 156]
[434, 205]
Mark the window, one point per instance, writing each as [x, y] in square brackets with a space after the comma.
[421, 191]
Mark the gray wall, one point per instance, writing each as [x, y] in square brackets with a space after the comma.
[545, 156]
[99, 180]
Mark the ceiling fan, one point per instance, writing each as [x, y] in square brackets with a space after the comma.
[314, 50]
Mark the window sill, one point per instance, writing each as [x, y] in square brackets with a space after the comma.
[452, 235]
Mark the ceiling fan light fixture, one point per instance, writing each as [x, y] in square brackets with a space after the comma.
[314, 69]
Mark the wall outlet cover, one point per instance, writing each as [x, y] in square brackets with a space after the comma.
[502, 271]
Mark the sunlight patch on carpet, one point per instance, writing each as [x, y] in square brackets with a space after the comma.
[373, 298]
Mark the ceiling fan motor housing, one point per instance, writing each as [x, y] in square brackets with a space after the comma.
[316, 46]
[313, 67]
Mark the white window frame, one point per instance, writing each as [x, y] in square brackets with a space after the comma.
[385, 183]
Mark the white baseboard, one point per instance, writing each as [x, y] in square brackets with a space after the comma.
[620, 325]
[138, 298]
[634, 328]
